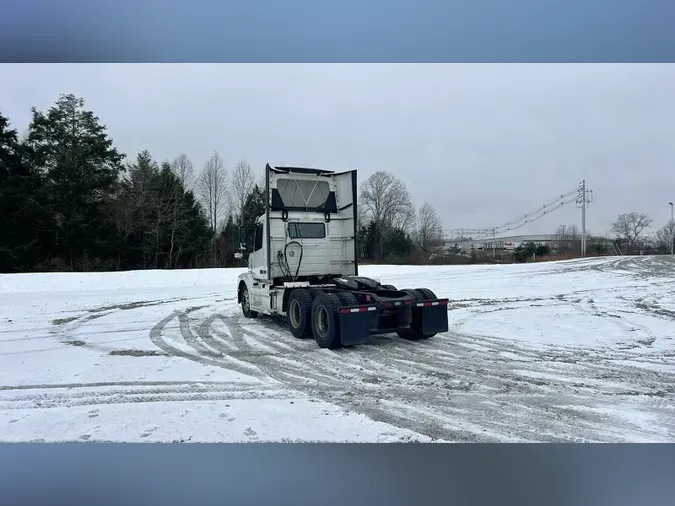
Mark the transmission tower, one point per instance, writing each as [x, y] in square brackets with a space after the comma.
[584, 197]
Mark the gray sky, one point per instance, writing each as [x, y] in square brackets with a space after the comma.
[484, 144]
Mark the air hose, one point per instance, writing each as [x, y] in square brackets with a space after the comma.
[285, 265]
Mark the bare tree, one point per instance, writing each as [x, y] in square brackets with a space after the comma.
[430, 231]
[177, 212]
[567, 238]
[566, 232]
[184, 171]
[630, 226]
[212, 187]
[242, 185]
[665, 237]
[386, 201]
[262, 182]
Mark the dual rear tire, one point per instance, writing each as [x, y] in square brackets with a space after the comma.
[315, 314]
[418, 295]
[299, 313]
[312, 312]
[325, 320]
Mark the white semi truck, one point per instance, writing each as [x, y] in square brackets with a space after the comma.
[304, 266]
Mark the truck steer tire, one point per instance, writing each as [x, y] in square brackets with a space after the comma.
[299, 313]
[325, 321]
[246, 304]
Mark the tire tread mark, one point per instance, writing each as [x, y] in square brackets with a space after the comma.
[157, 339]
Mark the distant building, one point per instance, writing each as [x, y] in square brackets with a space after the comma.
[501, 243]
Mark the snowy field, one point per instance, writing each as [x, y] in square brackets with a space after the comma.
[553, 352]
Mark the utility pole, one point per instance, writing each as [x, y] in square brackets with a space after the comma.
[672, 229]
[583, 218]
[583, 199]
[494, 239]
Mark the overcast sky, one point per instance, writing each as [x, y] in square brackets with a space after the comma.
[484, 144]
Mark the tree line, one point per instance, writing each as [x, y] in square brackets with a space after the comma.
[628, 236]
[70, 200]
[631, 238]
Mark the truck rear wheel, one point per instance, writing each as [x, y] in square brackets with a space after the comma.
[325, 321]
[299, 313]
[426, 293]
[246, 303]
[347, 299]
[419, 295]
[314, 292]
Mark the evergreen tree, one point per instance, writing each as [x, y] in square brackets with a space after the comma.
[22, 210]
[81, 166]
[253, 208]
[68, 202]
[525, 252]
[368, 245]
[159, 224]
[131, 212]
[397, 244]
[228, 242]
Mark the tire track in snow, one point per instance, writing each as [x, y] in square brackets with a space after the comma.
[191, 340]
[62, 395]
[455, 386]
[412, 375]
[158, 340]
[96, 398]
[268, 365]
[101, 384]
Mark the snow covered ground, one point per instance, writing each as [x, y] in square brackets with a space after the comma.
[568, 351]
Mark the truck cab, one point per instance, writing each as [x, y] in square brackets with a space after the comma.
[304, 255]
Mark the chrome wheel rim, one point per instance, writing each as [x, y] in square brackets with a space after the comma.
[322, 321]
[246, 305]
[294, 313]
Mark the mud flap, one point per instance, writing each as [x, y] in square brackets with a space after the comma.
[431, 316]
[356, 323]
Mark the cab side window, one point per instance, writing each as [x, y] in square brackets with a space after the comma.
[258, 240]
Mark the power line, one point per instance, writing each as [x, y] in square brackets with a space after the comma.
[527, 216]
[530, 218]
[563, 199]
